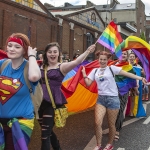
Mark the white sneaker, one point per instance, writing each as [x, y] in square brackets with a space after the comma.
[108, 147]
[98, 148]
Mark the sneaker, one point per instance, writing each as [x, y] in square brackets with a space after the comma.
[108, 147]
[98, 148]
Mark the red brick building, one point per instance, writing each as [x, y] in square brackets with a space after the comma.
[30, 18]
[73, 31]
[79, 29]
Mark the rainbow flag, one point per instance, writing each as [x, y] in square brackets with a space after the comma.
[111, 39]
[74, 87]
[21, 133]
[141, 49]
[124, 83]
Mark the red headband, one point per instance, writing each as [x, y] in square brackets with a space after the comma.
[15, 39]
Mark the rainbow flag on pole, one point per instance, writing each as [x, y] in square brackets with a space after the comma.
[111, 39]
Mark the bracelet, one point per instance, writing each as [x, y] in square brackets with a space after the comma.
[32, 56]
[85, 77]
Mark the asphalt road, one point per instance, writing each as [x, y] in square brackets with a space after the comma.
[79, 132]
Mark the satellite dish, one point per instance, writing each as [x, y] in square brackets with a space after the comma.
[129, 5]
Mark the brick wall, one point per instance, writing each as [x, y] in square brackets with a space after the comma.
[140, 16]
[18, 18]
[65, 37]
[78, 40]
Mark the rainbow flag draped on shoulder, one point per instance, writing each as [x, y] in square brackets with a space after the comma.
[21, 133]
[111, 39]
[124, 83]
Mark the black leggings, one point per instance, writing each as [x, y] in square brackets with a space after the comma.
[46, 120]
[120, 117]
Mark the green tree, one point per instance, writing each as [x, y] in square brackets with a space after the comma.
[142, 36]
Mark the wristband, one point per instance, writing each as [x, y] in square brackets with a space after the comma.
[32, 56]
[85, 77]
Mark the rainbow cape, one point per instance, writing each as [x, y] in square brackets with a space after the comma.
[124, 83]
[141, 49]
[74, 90]
[21, 133]
[111, 39]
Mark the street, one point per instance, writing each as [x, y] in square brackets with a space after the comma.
[78, 134]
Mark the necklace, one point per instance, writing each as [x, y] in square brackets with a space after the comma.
[101, 74]
[13, 70]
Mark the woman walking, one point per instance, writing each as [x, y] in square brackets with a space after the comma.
[124, 85]
[16, 108]
[55, 75]
[108, 100]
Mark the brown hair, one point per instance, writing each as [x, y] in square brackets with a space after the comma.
[45, 60]
[99, 53]
[25, 40]
[132, 54]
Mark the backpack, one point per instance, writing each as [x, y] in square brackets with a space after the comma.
[37, 97]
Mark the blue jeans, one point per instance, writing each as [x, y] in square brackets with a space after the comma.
[111, 102]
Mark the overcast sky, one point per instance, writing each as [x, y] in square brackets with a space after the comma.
[97, 2]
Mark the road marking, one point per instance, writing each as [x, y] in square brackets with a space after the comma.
[121, 148]
[92, 142]
[145, 106]
[147, 102]
[149, 148]
[147, 120]
[124, 124]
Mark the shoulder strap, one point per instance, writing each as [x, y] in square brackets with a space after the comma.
[95, 71]
[38, 93]
[26, 68]
[5, 63]
[111, 71]
[48, 88]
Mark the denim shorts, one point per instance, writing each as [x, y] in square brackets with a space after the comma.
[111, 102]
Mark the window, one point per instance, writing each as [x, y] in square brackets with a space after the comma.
[93, 17]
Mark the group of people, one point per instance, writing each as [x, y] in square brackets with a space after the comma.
[15, 96]
[16, 103]
[110, 100]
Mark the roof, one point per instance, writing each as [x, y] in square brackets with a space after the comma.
[125, 6]
[62, 13]
[69, 7]
[102, 7]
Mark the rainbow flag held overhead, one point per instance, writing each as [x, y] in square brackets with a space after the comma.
[141, 49]
[111, 39]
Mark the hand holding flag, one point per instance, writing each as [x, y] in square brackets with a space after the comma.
[111, 39]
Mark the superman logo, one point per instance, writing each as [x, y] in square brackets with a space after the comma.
[8, 87]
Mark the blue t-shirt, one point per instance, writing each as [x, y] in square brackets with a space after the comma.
[15, 100]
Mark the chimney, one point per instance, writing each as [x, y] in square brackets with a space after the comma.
[89, 4]
[67, 4]
[113, 2]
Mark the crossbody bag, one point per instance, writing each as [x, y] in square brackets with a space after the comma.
[61, 114]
